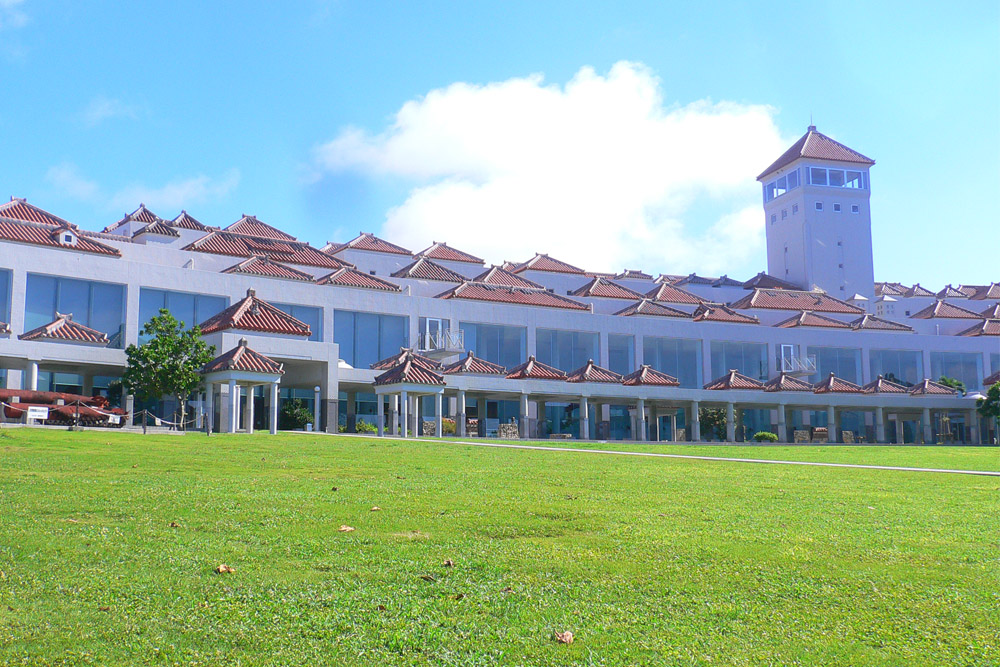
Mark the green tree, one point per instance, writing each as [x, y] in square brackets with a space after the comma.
[953, 383]
[169, 364]
[294, 415]
[990, 406]
[715, 419]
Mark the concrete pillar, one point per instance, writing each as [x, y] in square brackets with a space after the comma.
[541, 421]
[416, 416]
[730, 423]
[250, 408]
[234, 406]
[438, 414]
[782, 423]
[695, 421]
[640, 410]
[925, 424]
[317, 406]
[404, 406]
[584, 419]
[481, 411]
[130, 410]
[209, 408]
[394, 414]
[673, 425]
[654, 423]
[352, 412]
[831, 424]
[332, 420]
[380, 414]
[460, 414]
[879, 424]
[523, 417]
[274, 409]
[33, 375]
[974, 434]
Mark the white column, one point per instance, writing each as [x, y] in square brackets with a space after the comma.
[274, 408]
[438, 413]
[404, 403]
[523, 417]
[541, 420]
[33, 375]
[129, 410]
[831, 424]
[416, 416]
[394, 414]
[316, 410]
[695, 421]
[925, 423]
[234, 406]
[673, 426]
[250, 408]
[640, 410]
[973, 427]
[209, 407]
[380, 414]
[584, 419]
[782, 423]
[352, 412]
[654, 423]
[879, 424]
[730, 423]
[460, 414]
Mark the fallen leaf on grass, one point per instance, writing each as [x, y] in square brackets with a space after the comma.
[870, 507]
[449, 563]
[345, 529]
[400, 477]
[135, 465]
[507, 590]
[428, 577]
[376, 509]
[334, 489]
[225, 569]
[564, 637]
[104, 609]
[71, 520]
[174, 524]
[381, 607]
[459, 596]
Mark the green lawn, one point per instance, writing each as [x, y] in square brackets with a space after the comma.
[645, 560]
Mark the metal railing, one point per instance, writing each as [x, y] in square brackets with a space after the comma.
[798, 364]
[450, 340]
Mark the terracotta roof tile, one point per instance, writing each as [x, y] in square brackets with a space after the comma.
[651, 308]
[249, 225]
[717, 312]
[882, 386]
[444, 252]
[22, 222]
[648, 376]
[984, 328]
[496, 275]
[351, 277]
[141, 214]
[404, 354]
[372, 243]
[992, 313]
[869, 322]
[795, 300]
[991, 291]
[943, 309]
[542, 262]
[917, 291]
[766, 281]
[289, 252]
[807, 318]
[160, 228]
[427, 269]
[672, 294]
[931, 388]
[186, 221]
[589, 372]
[950, 292]
[265, 266]
[992, 379]
[889, 289]
[835, 385]
[604, 288]
[473, 364]
[20, 209]
[63, 328]
[409, 371]
[254, 314]
[817, 146]
[535, 370]
[726, 281]
[633, 274]
[513, 295]
[734, 380]
[785, 382]
[692, 279]
[242, 358]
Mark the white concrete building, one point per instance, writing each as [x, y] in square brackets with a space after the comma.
[582, 354]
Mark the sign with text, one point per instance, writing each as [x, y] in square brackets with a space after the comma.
[37, 413]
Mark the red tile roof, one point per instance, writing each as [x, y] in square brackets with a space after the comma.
[945, 310]
[496, 275]
[20, 209]
[473, 364]
[514, 295]
[889, 289]
[604, 288]
[767, 281]
[242, 358]
[63, 328]
[351, 277]
[141, 214]
[984, 328]
[691, 279]
[158, 227]
[817, 146]
[648, 376]
[370, 242]
[648, 307]
[238, 245]
[633, 274]
[716, 312]
[807, 318]
[533, 369]
[916, 291]
[950, 292]
[541, 262]
[734, 380]
[22, 222]
[882, 386]
[992, 380]
[404, 354]
[835, 385]
[785, 382]
[991, 291]
[254, 314]
[929, 387]
[409, 371]
[869, 322]
[592, 373]
[443, 251]
[186, 221]
[426, 269]
[249, 225]
[669, 293]
[992, 313]
[726, 281]
[264, 266]
[795, 300]
[4, 328]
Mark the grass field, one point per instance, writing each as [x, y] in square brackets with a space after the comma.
[646, 561]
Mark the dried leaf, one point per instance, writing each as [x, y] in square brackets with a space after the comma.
[345, 529]
[460, 596]
[428, 577]
[376, 509]
[507, 590]
[449, 563]
[564, 637]
[104, 609]
[135, 465]
[334, 489]
[381, 607]
[174, 524]
[225, 569]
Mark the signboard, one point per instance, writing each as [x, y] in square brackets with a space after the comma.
[37, 412]
[114, 419]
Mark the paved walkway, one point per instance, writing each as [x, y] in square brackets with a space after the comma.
[502, 445]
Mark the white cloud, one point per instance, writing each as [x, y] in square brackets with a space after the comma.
[600, 172]
[11, 14]
[102, 108]
[67, 179]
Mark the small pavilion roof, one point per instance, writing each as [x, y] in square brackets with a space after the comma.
[869, 322]
[254, 314]
[734, 380]
[835, 385]
[882, 386]
[533, 369]
[348, 276]
[917, 291]
[633, 274]
[424, 268]
[370, 242]
[240, 245]
[807, 318]
[985, 328]
[992, 379]
[590, 372]
[930, 388]
[672, 294]
[243, 358]
[785, 382]
[64, 329]
[401, 356]
[474, 365]
[889, 289]
[249, 225]
[992, 313]
[945, 310]
[185, 220]
[816, 146]
[717, 312]
[950, 292]
[444, 252]
[141, 214]
[409, 371]
[646, 375]
[652, 308]
[604, 288]
[542, 262]
[983, 292]
[496, 275]
[160, 228]
[513, 295]
[22, 222]
[767, 281]
[262, 265]
[785, 299]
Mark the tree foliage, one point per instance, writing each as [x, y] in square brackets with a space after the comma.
[169, 364]
[715, 419]
[990, 406]
[953, 383]
[294, 415]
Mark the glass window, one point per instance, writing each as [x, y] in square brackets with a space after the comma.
[817, 176]
[819, 206]
[844, 362]
[678, 357]
[836, 208]
[964, 366]
[190, 309]
[621, 353]
[781, 186]
[566, 350]
[750, 359]
[769, 191]
[853, 180]
[93, 304]
[836, 178]
[855, 208]
[793, 179]
[365, 338]
[5, 297]
[902, 366]
[994, 362]
[308, 314]
[498, 344]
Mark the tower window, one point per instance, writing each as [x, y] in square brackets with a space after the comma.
[774, 218]
[855, 208]
[836, 208]
[819, 206]
[784, 213]
[795, 209]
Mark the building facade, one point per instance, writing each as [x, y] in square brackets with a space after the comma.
[814, 347]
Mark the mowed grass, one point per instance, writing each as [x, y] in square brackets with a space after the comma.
[646, 561]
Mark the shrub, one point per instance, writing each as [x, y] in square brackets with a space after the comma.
[294, 415]
[364, 427]
[765, 436]
[448, 427]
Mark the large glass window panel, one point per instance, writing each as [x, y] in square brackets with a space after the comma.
[793, 179]
[5, 280]
[94, 304]
[678, 357]
[566, 350]
[191, 309]
[498, 344]
[206, 306]
[181, 306]
[994, 362]
[393, 334]
[343, 334]
[107, 310]
[73, 297]
[844, 362]
[817, 176]
[901, 366]
[307, 314]
[621, 353]
[769, 191]
[40, 301]
[964, 366]
[836, 178]
[366, 340]
[750, 359]
[853, 180]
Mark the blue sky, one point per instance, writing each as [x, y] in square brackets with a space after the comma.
[295, 112]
